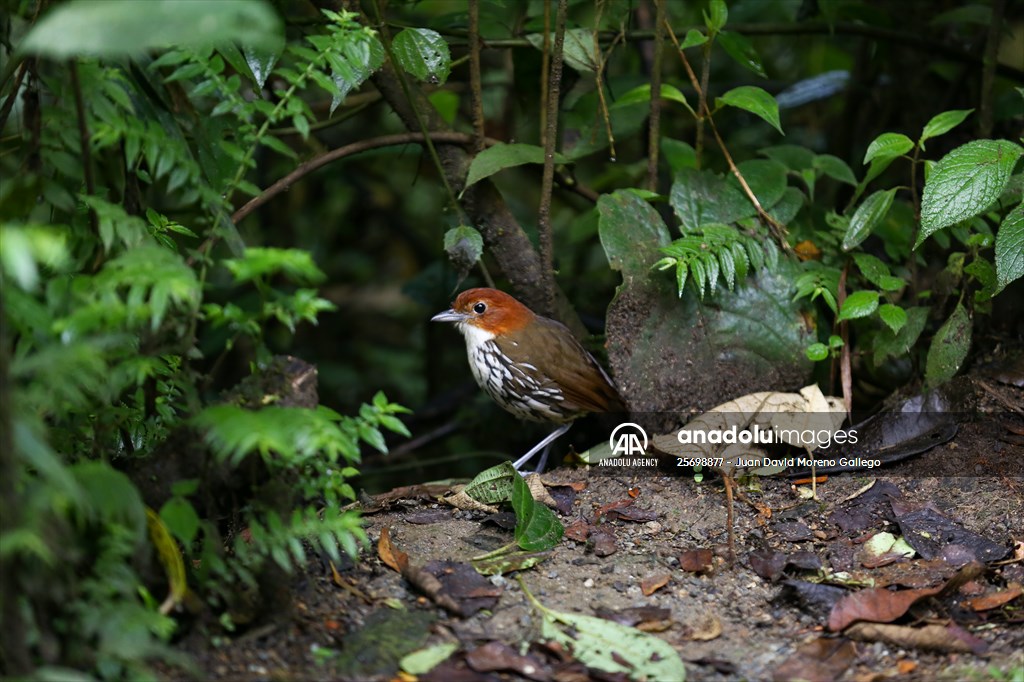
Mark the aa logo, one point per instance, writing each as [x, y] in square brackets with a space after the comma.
[628, 440]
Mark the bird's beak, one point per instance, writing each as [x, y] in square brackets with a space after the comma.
[450, 315]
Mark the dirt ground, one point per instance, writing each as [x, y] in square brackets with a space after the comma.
[727, 623]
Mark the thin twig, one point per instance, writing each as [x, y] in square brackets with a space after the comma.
[654, 129]
[550, 139]
[778, 230]
[599, 81]
[845, 361]
[475, 89]
[308, 167]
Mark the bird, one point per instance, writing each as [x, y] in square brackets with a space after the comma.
[530, 365]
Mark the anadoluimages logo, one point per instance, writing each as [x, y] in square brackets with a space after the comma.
[628, 440]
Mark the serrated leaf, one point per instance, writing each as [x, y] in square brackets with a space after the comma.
[742, 52]
[893, 316]
[949, 347]
[871, 267]
[944, 122]
[965, 183]
[424, 54]
[868, 215]
[493, 485]
[858, 304]
[755, 100]
[261, 60]
[1010, 248]
[502, 156]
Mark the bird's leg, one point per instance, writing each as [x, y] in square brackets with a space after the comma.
[551, 437]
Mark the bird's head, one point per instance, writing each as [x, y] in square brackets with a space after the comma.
[486, 313]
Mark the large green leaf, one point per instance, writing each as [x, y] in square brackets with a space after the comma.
[858, 304]
[700, 197]
[502, 156]
[114, 28]
[424, 54]
[631, 232]
[965, 182]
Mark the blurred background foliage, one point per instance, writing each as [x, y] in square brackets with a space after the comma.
[141, 288]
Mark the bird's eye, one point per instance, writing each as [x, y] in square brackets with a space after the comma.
[479, 308]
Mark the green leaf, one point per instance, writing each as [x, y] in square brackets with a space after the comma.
[816, 352]
[181, 519]
[949, 347]
[755, 100]
[893, 316]
[888, 146]
[357, 59]
[115, 28]
[678, 154]
[868, 215]
[502, 156]
[858, 304]
[577, 48]
[642, 94]
[835, 168]
[537, 527]
[693, 38]
[943, 123]
[492, 486]
[699, 197]
[111, 496]
[464, 246]
[716, 16]
[422, 661]
[900, 344]
[612, 647]
[1010, 248]
[424, 54]
[742, 51]
[965, 183]
[871, 267]
[793, 157]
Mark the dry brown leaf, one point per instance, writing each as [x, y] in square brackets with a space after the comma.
[653, 583]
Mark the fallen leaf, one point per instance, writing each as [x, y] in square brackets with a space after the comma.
[392, 558]
[994, 600]
[697, 560]
[821, 660]
[653, 583]
[942, 638]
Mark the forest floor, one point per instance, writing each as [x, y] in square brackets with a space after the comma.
[651, 551]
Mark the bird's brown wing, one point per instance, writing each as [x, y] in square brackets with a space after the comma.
[556, 354]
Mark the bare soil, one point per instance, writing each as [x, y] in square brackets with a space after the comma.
[728, 623]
